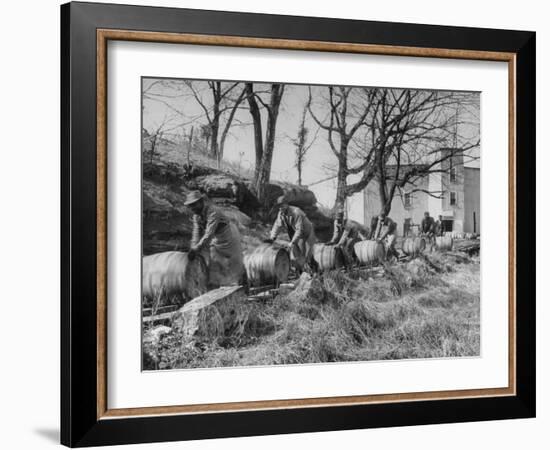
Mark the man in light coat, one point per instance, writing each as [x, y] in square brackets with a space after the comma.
[216, 239]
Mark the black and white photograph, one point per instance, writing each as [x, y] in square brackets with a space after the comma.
[300, 224]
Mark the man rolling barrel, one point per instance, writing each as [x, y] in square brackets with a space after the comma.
[217, 240]
[383, 230]
[438, 226]
[300, 232]
[346, 234]
[427, 229]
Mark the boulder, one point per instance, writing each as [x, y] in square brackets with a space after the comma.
[220, 185]
[322, 224]
[218, 314]
[299, 196]
[161, 172]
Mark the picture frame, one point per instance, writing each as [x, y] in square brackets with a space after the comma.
[86, 418]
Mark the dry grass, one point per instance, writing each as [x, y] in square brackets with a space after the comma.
[421, 309]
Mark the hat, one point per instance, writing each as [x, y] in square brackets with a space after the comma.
[193, 197]
[281, 200]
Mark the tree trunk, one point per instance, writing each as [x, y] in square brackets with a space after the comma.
[341, 188]
[264, 173]
[257, 123]
[214, 127]
[264, 152]
[228, 126]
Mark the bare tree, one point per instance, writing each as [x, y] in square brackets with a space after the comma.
[393, 136]
[189, 147]
[155, 137]
[347, 114]
[301, 144]
[263, 150]
[415, 134]
[220, 103]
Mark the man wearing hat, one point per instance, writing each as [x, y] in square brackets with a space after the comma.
[300, 232]
[346, 234]
[438, 226]
[383, 230]
[427, 228]
[217, 240]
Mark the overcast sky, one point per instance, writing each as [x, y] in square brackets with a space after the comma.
[179, 108]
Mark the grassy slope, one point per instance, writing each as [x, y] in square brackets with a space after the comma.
[415, 312]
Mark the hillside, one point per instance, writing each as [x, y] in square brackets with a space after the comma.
[167, 179]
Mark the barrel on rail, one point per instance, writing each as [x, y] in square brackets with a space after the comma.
[267, 264]
[328, 257]
[171, 274]
[414, 246]
[369, 252]
[444, 243]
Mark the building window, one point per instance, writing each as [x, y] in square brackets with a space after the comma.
[452, 174]
[453, 199]
[408, 199]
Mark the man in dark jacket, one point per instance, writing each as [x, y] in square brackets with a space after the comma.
[383, 229]
[438, 226]
[427, 229]
[300, 232]
[346, 234]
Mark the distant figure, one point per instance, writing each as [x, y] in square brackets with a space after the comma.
[300, 232]
[217, 240]
[427, 229]
[346, 234]
[438, 226]
[188, 170]
[383, 229]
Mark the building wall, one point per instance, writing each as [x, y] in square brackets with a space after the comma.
[456, 211]
[472, 202]
[399, 211]
[465, 184]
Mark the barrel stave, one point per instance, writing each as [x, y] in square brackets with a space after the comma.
[444, 243]
[369, 252]
[414, 246]
[328, 257]
[267, 264]
[170, 274]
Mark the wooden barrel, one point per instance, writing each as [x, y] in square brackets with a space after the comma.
[369, 252]
[444, 243]
[328, 257]
[458, 235]
[170, 274]
[267, 264]
[414, 246]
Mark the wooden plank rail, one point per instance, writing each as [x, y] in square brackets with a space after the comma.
[158, 318]
[160, 310]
